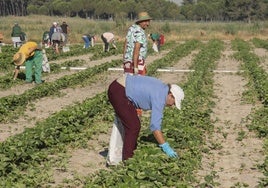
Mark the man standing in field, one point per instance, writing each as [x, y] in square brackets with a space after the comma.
[32, 55]
[65, 30]
[135, 48]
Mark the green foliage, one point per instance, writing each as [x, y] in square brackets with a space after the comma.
[166, 28]
[256, 28]
[259, 79]
[230, 29]
[159, 9]
[27, 159]
[11, 103]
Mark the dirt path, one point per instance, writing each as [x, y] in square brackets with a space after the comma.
[235, 152]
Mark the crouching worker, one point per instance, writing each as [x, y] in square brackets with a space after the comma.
[130, 92]
[107, 39]
[32, 55]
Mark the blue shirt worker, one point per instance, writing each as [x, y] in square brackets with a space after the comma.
[130, 92]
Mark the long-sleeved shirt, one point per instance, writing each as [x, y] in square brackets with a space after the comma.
[148, 93]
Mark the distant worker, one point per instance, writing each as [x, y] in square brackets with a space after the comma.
[54, 28]
[88, 39]
[17, 35]
[108, 38]
[65, 27]
[156, 41]
[45, 39]
[65, 30]
[31, 54]
[57, 41]
[56, 37]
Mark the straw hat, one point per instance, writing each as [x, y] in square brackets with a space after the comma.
[178, 94]
[143, 16]
[18, 58]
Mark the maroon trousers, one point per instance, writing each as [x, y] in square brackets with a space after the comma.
[126, 111]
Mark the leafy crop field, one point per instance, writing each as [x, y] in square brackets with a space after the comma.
[57, 134]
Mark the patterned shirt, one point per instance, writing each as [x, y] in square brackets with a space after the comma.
[135, 34]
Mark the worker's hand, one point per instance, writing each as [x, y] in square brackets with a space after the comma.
[168, 150]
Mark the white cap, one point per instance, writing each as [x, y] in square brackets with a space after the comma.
[54, 23]
[178, 94]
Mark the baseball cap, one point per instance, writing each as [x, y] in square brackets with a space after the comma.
[178, 94]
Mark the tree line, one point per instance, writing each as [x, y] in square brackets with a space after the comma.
[192, 10]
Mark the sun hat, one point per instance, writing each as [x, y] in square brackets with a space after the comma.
[142, 17]
[178, 94]
[19, 58]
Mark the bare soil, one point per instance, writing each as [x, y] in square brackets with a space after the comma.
[234, 161]
[233, 158]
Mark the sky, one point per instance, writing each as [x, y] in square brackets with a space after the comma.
[179, 2]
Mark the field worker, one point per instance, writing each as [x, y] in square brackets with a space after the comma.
[45, 39]
[31, 54]
[58, 39]
[108, 38]
[65, 30]
[156, 41]
[148, 93]
[65, 27]
[87, 38]
[135, 47]
[52, 29]
[17, 35]
[16, 30]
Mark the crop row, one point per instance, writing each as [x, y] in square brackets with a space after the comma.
[12, 103]
[259, 80]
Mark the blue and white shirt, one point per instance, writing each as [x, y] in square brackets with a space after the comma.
[135, 34]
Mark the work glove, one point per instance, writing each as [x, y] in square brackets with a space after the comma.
[168, 150]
